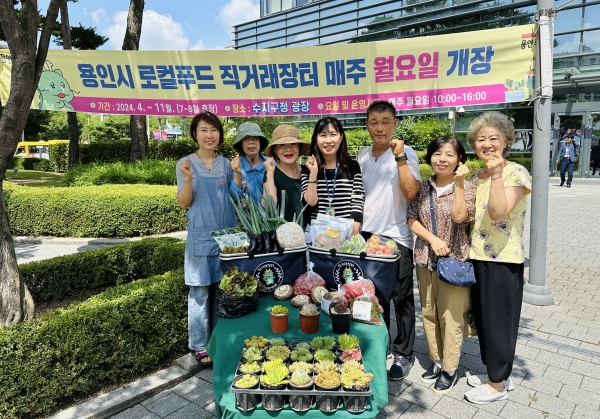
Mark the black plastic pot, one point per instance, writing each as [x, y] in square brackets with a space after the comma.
[355, 404]
[273, 401]
[301, 402]
[245, 401]
[328, 403]
[340, 323]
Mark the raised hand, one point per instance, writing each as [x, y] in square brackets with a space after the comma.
[235, 164]
[186, 168]
[397, 147]
[270, 165]
[495, 165]
[311, 164]
[461, 172]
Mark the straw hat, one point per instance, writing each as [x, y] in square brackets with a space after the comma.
[287, 134]
[249, 129]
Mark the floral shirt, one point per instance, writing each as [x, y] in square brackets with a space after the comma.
[456, 236]
[500, 241]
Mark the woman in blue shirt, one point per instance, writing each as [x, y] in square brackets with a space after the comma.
[249, 165]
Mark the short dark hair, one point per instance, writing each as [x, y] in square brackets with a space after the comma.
[209, 118]
[571, 136]
[381, 106]
[437, 143]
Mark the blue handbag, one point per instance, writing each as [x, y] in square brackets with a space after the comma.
[449, 270]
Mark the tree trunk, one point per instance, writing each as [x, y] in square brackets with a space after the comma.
[71, 116]
[27, 61]
[137, 123]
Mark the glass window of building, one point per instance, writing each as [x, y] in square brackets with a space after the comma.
[306, 39]
[327, 29]
[384, 9]
[344, 8]
[568, 20]
[301, 2]
[311, 17]
[591, 42]
[567, 44]
[272, 43]
[340, 38]
[270, 35]
[591, 14]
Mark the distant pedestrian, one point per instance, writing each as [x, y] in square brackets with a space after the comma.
[567, 154]
[595, 157]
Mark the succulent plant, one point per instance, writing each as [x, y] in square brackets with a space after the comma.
[309, 310]
[347, 341]
[301, 355]
[302, 345]
[246, 381]
[278, 310]
[324, 355]
[300, 378]
[324, 366]
[278, 352]
[300, 365]
[250, 368]
[323, 342]
[350, 365]
[275, 373]
[277, 342]
[256, 341]
[339, 308]
[252, 354]
[356, 379]
[328, 379]
[351, 354]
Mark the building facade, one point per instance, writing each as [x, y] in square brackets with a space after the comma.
[576, 102]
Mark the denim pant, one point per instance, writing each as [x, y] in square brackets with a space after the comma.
[202, 315]
[566, 166]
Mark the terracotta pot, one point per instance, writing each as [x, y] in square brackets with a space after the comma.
[279, 323]
[309, 324]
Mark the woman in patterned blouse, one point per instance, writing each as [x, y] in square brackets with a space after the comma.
[497, 253]
[444, 306]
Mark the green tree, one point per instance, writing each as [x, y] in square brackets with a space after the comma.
[378, 29]
[82, 38]
[417, 132]
[57, 127]
[28, 52]
[37, 120]
[111, 127]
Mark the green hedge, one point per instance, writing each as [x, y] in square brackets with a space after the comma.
[122, 332]
[83, 273]
[59, 156]
[119, 150]
[30, 163]
[426, 170]
[523, 161]
[93, 211]
[150, 172]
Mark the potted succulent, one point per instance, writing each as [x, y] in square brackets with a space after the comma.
[252, 354]
[249, 368]
[325, 366]
[324, 355]
[301, 365]
[275, 377]
[279, 319]
[302, 345]
[301, 354]
[353, 354]
[346, 341]
[355, 378]
[246, 401]
[300, 380]
[323, 342]
[328, 381]
[278, 352]
[257, 342]
[309, 318]
[340, 319]
[277, 342]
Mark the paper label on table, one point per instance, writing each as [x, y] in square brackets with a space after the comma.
[325, 306]
[362, 310]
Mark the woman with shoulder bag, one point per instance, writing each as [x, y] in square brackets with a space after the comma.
[440, 216]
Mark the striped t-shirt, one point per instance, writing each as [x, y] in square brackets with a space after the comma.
[348, 197]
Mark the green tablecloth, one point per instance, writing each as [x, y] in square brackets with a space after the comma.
[227, 342]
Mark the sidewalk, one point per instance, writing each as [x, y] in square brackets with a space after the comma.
[556, 372]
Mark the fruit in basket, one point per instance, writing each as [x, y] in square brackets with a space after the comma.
[376, 246]
[290, 235]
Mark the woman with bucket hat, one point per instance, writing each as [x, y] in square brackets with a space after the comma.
[248, 166]
[285, 148]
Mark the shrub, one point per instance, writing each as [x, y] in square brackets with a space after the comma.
[59, 157]
[30, 163]
[149, 172]
[83, 273]
[417, 132]
[122, 332]
[93, 211]
[523, 161]
[172, 149]
[105, 152]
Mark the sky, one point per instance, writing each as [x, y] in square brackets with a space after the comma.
[167, 24]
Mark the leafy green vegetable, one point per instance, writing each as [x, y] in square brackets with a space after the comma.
[238, 284]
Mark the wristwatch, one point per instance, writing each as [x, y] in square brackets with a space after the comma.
[401, 158]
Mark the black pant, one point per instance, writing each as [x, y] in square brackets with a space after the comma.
[497, 297]
[596, 164]
[403, 297]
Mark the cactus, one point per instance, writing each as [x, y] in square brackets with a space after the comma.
[278, 352]
[309, 310]
[324, 355]
[252, 354]
[328, 379]
[323, 342]
[277, 342]
[299, 365]
[275, 373]
[256, 341]
[301, 355]
[250, 368]
[347, 342]
[324, 366]
[246, 381]
[278, 310]
[300, 378]
[356, 379]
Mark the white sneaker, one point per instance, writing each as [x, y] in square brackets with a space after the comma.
[477, 380]
[481, 395]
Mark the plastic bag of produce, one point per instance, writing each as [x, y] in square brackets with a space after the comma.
[324, 241]
[361, 288]
[307, 281]
[364, 309]
[234, 307]
[323, 222]
[380, 246]
[355, 245]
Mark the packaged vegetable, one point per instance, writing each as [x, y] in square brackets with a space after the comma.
[323, 241]
[355, 245]
[379, 246]
[307, 281]
[325, 222]
[364, 309]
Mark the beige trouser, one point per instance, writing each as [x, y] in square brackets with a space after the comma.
[443, 307]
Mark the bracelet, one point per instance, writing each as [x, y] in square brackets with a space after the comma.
[497, 177]
[311, 181]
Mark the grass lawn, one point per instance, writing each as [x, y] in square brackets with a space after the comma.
[35, 178]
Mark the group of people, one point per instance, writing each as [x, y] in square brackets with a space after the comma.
[479, 217]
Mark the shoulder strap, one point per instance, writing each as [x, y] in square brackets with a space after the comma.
[432, 209]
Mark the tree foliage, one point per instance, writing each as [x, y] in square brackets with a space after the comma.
[417, 132]
[84, 38]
